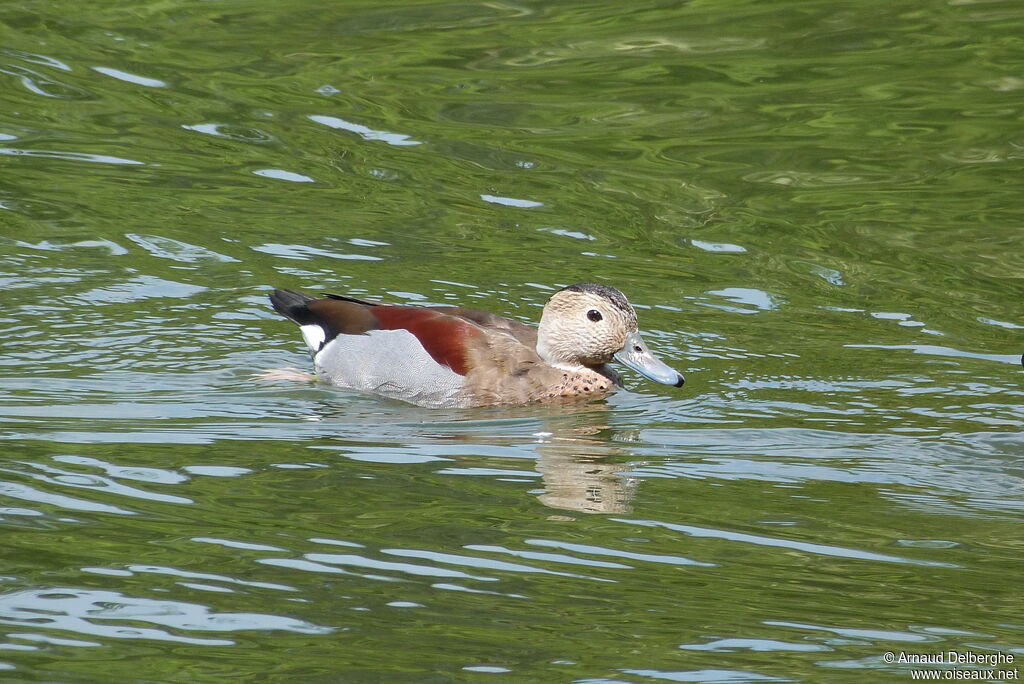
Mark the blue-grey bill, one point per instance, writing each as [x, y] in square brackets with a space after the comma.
[637, 356]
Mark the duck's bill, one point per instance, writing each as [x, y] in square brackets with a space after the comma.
[637, 356]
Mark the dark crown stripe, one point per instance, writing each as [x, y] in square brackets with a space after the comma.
[610, 293]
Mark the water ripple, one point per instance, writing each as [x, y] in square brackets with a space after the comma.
[551, 557]
[176, 250]
[478, 562]
[820, 549]
[67, 478]
[68, 156]
[708, 676]
[40, 84]
[114, 615]
[407, 568]
[601, 551]
[130, 78]
[26, 493]
[365, 132]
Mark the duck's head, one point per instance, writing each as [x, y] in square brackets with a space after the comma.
[591, 325]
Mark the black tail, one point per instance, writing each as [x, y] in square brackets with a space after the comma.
[292, 304]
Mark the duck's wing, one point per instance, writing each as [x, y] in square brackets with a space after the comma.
[525, 334]
[489, 322]
[444, 334]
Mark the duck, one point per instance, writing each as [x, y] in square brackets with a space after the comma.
[454, 357]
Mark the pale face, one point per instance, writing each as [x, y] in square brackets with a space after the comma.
[590, 325]
[584, 328]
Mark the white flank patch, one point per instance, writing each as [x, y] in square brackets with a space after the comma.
[391, 363]
[314, 336]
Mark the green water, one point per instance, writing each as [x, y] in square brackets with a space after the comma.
[815, 206]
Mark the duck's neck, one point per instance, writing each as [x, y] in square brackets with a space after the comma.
[551, 355]
[574, 366]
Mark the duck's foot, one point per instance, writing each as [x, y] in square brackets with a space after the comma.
[284, 374]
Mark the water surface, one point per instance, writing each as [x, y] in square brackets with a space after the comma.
[815, 209]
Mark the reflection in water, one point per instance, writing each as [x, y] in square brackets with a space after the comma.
[581, 472]
[581, 466]
[582, 482]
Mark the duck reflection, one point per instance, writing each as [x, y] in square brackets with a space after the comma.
[579, 455]
[584, 483]
[582, 459]
[581, 466]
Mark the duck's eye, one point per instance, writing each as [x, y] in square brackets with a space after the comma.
[594, 315]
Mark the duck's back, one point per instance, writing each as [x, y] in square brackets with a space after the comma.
[430, 356]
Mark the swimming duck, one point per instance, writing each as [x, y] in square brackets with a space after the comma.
[448, 357]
